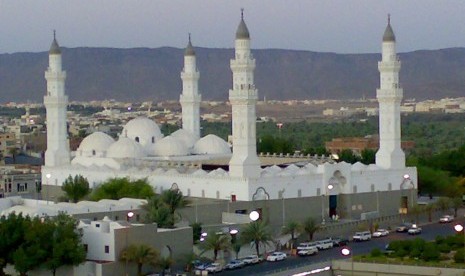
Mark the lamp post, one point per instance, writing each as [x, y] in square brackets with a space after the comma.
[48, 184]
[459, 228]
[283, 205]
[346, 251]
[254, 216]
[233, 232]
[129, 215]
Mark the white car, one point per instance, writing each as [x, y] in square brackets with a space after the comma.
[251, 259]
[214, 267]
[362, 236]
[325, 244]
[446, 219]
[415, 230]
[380, 233]
[306, 245]
[311, 250]
[276, 256]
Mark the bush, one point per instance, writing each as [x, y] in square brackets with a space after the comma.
[459, 256]
[415, 253]
[401, 253]
[444, 248]
[376, 252]
[430, 252]
[439, 239]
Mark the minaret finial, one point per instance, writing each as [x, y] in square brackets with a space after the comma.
[242, 13]
[189, 37]
[389, 18]
[54, 34]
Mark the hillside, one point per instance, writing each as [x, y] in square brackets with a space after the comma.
[153, 74]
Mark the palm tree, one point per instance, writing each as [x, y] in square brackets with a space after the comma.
[258, 233]
[310, 226]
[416, 210]
[174, 200]
[429, 209]
[216, 243]
[158, 212]
[292, 227]
[140, 254]
[456, 204]
[165, 263]
[443, 203]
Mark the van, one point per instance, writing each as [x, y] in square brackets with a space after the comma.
[362, 236]
[324, 244]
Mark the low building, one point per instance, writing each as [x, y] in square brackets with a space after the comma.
[358, 144]
[24, 181]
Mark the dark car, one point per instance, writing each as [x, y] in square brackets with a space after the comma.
[404, 227]
[340, 241]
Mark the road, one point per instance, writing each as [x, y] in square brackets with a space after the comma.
[429, 232]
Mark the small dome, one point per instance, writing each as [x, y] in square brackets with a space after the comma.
[389, 33]
[170, 146]
[142, 130]
[185, 136]
[211, 144]
[97, 141]
[125, 148]
[54, 48]
[242, 30]
[189, 49]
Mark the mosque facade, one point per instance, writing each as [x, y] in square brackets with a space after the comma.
[175, 161]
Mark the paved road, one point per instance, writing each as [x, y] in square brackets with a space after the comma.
[429, 233]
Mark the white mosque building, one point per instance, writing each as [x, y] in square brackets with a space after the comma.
[175, 161]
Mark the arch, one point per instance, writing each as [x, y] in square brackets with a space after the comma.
[174, 187]
[166, 252]
[137, 139]
[260, 194]
[406, 184]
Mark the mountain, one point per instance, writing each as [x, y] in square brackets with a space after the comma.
[141, 74]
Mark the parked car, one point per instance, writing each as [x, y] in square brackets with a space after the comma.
[233, 264]
[362, 236]
[446, 219]
[214, 267]
[199, 265]
[251, 259]
[404, 227]
[339, 241]
[415, 230]
[311, 250]
[276, 256]
[306, 245]
[324, 244]
[380, 233]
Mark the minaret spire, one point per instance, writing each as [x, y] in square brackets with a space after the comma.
[389, 95]
[56, 101]
[242, 13]
[190, 97]
[243, 97]
[389, 19]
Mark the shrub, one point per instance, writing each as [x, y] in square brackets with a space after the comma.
[376, 252]
[415, 253]
[439, 239]
[430, 253]
[401, 253]
[459, 256]
[444, 248]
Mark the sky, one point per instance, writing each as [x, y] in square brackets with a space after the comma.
[341, 26]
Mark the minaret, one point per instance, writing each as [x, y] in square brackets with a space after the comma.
[55, 102]
[243, 97]
[390, 154]
[190, 98]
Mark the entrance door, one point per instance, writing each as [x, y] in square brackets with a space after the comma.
[332, 205]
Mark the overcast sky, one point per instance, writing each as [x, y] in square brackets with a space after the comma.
[345, 26]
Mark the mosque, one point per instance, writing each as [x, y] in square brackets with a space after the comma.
[176, 161]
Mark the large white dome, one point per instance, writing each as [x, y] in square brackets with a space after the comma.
[126, 148]
[144, 131]
[170, 146]
[211, 144]
[95, 144]
[185, 136]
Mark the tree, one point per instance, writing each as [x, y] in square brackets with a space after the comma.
[415, 211]
[76, 188]
[456, 203]
[157, 211]
[368, 156]
[258, 233]
[429, 208]
[64, 245]
[310, 226]
[347, 155]
[13, 152]
[12, 230]
[292, 228]
[443, 203]
[216, 243]
[174, 200]
[140, 254]
[117, 188]
[165, 263]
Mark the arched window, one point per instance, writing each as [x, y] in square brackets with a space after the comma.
[153, 140]
[137, 139]
[93, 152]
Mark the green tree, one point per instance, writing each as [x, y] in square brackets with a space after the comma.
[157, 211]
[292, 228]
[64, 245]
[416, 211]
[174, 200]
[216, 243]
[12, 231]
[456, 203]
[165, 263]
[76, 188]
[368, 156]
[348, 156]
[310, 226]
[258, 233]
[444, 204]
[140, 254]
[14, 153]
[117, 188]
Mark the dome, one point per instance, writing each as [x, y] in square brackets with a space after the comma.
[170, 146]
[96, 142]
[389, 33]
[185, 136]
[142, 130]
[211, 144]
[126, 148]
[242, 30]
[54, 48]
[189, 49]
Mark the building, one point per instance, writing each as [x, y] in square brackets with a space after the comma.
[7, 143]
[177, 161]
[24, 181]
[358, 144]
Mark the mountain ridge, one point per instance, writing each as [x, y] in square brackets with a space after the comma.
[141, 74]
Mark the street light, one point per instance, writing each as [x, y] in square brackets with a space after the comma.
[254, 215]
[459, 228]
[129, 215]
[347, 252]
[48, 184]
[283, 205]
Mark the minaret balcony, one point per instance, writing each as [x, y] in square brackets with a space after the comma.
[240, 63]
[390, 94]
[389, 66]
[243, 94]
